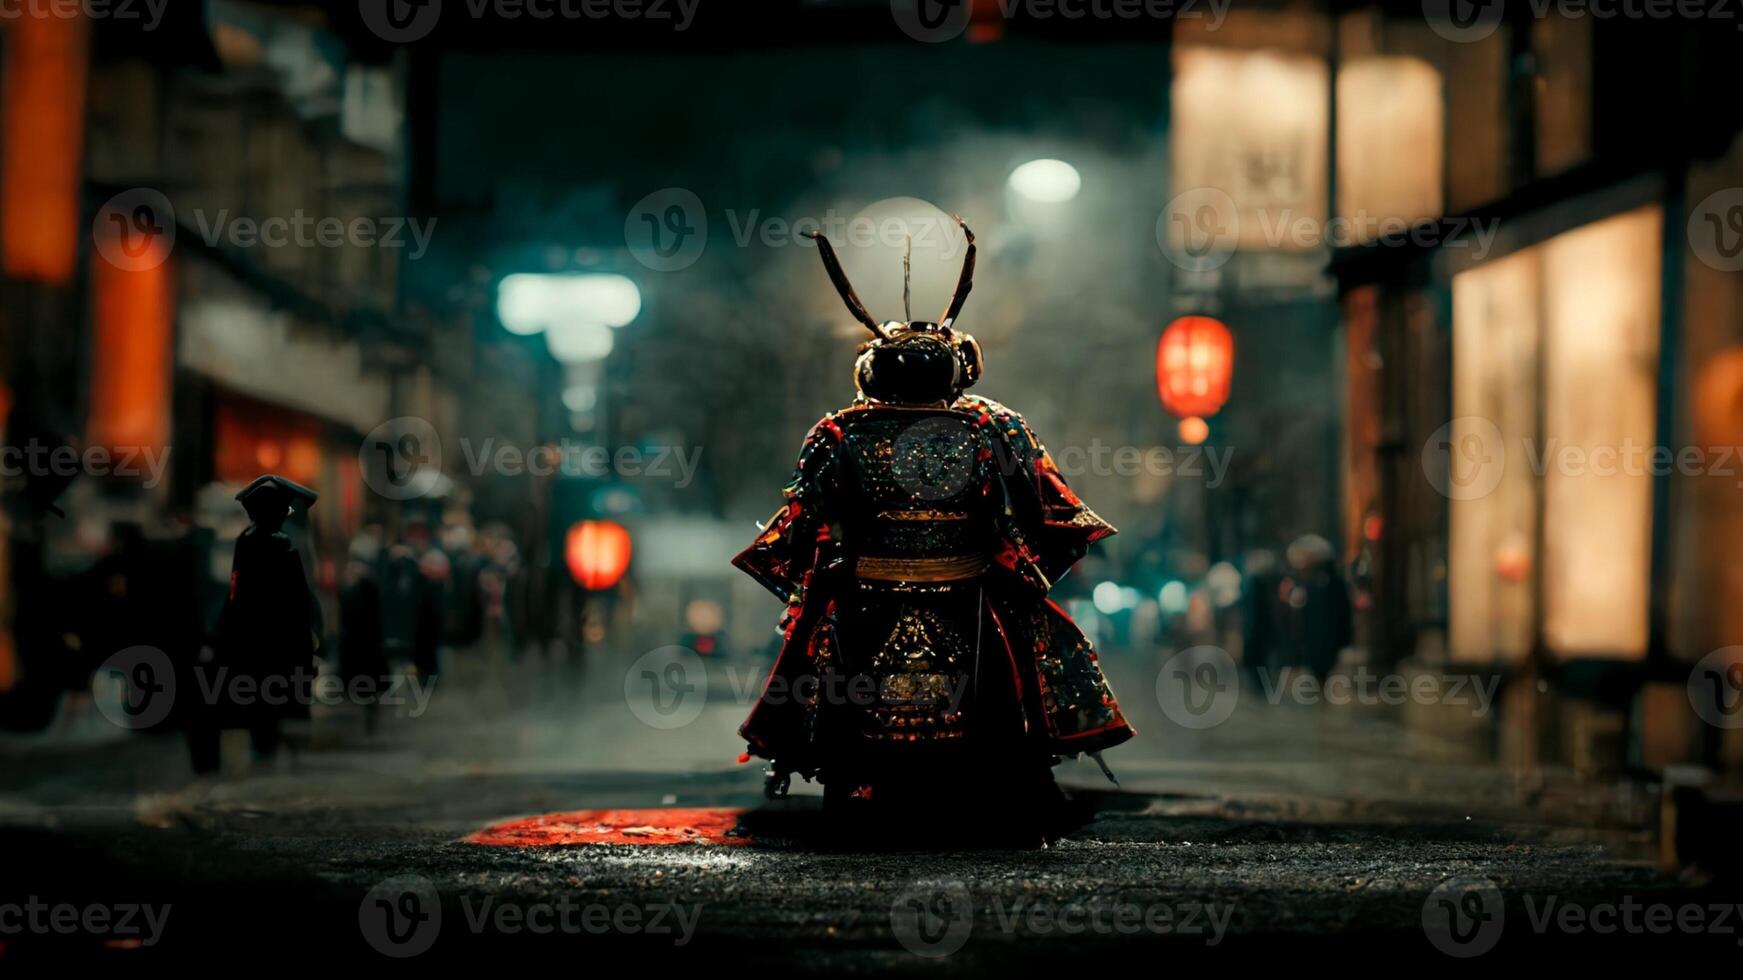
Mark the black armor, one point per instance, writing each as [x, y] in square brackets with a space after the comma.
[923, 664]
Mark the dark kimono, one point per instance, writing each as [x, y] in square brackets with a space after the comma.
[923, 666]
[268, 633]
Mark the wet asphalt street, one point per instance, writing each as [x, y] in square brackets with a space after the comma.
[1268, 842]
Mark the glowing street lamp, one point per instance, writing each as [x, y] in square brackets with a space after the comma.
[1046, 181]
[529, 303]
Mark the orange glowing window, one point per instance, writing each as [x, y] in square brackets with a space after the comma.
[252, 439]
[133, 312]
[41, 143]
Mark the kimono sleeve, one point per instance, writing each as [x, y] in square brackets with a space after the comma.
[785, 552]
[1048, 528]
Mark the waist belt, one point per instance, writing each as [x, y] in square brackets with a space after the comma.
[946, 569]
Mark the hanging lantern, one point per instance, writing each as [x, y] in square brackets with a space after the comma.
[597, 553]
[1194, 360]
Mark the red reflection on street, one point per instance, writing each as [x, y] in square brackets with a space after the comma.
[649, 827]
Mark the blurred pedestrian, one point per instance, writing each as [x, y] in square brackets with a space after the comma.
[1318, 605]
[411, 598]
[151, 586]
[464, 612]
[362, 660]
[39, 613]
[501, 592]
[1263, 638]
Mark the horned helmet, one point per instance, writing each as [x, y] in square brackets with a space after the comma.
[911, 362]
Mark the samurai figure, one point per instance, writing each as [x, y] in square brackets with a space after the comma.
[270, 629]
[924, 677]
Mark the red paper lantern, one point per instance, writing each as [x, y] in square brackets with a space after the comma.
[1194, 360]
[597, 553]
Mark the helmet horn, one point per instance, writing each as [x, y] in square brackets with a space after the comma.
[839, 277]
[964, 282]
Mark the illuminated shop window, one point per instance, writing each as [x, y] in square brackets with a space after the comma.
[1390, 134]
[1491, 554]
[1601, 307]
[1586, 305]
[1253, 124]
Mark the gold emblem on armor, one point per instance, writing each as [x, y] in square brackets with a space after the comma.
[920, 678]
